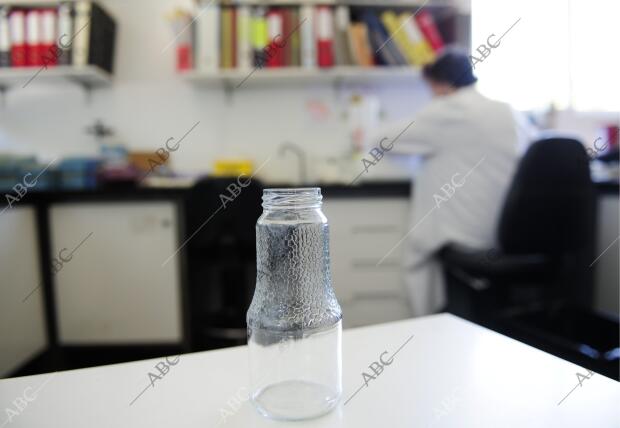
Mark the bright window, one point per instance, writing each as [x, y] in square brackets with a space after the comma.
[563, 52]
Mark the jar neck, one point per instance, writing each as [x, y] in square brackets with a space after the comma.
[309, 198]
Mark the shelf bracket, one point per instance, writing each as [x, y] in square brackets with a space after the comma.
[3, 91]
[88, 93]
[229, 91]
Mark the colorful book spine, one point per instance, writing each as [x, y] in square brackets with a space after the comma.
[325, 36]
[207, 50]
[342, 19]
[422, 52]
[391, 23]
[429, 29]
[294, 39]
[276, 38]
[226, 60]
[48, 49]
[259, 36]
[244, 45]
[33, 38]
[308, 42]
[81, 38]
[384, 47]
[5, 38]
[287, 30]
[65, 33]
[360, 45]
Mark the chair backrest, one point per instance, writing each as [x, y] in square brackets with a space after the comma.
[551, 204]
[230, 220]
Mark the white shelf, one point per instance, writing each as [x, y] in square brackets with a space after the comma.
[296, 75]
[384, 3]
[88, 76]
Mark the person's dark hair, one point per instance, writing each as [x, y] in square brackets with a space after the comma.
[452, 67]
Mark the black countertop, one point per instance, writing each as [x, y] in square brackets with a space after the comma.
[140, 193]
[374, 189]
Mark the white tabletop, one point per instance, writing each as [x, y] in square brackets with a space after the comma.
[451, 373]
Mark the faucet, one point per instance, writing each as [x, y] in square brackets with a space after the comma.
[301, 158]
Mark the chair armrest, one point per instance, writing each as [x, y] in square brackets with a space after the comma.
[492, 263]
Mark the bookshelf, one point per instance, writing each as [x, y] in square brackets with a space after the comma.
[233, 79]
[89, 76]
[33, 50]
[219, 49]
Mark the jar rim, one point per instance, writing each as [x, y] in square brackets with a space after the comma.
[292, 197]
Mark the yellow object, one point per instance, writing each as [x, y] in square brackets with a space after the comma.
[421, 52]
[258, 32]
[232, 167]
[392, 23]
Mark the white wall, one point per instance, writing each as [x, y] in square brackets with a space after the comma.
[148, 103]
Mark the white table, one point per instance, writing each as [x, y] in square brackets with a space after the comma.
[450, 374]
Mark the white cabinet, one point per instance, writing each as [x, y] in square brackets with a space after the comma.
[362, 232]
[22, 315]
[116, 288]
[607, 282]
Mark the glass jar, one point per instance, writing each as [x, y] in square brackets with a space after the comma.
[294, 321]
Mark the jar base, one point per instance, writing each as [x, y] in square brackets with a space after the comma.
[295, 400]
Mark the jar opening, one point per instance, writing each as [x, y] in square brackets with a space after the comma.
[293, 198]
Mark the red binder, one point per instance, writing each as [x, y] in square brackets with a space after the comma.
[17, 24]
[33, 38]
[325, 36]
[429, 29]
[275, 28]
[49, 50]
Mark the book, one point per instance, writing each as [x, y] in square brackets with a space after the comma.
[233, 36]
[429, 30]
[244, 45]
[308, 42]
[48, 50]
[325, 36]
[422, 53]
[342, 19]
[5, 38]
[33, 38]
[294, 40]
[391, 23]
[17, 27]
[287, 34]
[274, 54]
[384, 49]
[226, 40]
[94, 36]
[359, 44]
[81, 43]
[207, 46]
[259, 36]
[65, 32]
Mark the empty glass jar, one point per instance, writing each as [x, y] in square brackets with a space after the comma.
[294, 321]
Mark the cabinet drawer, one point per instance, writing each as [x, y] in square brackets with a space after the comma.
[366, 215]
[22, 316]
[373, 281]
[361, 312]
[115, 288]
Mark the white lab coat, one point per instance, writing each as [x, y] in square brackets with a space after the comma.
[471, 147]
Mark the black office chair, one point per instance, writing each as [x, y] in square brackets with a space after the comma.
[221, 260]
[537, 285]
